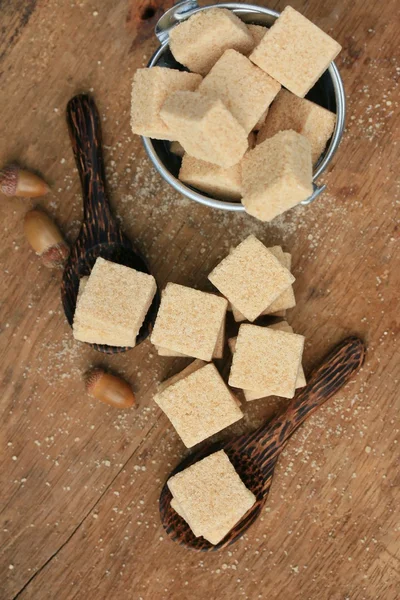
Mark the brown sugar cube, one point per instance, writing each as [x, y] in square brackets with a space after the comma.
[284, 301]
[113, 304]
[177, 148]
[218, 182]
[201, 40]
[258, 32]
[232, 344]
[244, 88]
[295, 52]
[252, 140]
[277, 175]
[250, 277]
[219, 346]
[192, 368]
[237, 315]
[165, 352]
[189, 321]
[178, 509]
[284, 326]
[266, 359]
[150, 89]
[210, 496]
[199, 405]
[205, 128]
[259, 124]
[311, 120]
[239, 318]
[287, 299]
[300, 379]
[82, 284]
[218, 350]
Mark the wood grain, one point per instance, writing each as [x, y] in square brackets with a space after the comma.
[79, 481]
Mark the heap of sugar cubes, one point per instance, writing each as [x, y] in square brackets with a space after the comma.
[239, 118]
[253, 280]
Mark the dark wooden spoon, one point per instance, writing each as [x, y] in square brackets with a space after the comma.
[100, 234]
[255, 455]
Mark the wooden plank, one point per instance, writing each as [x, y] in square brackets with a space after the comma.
[14, 18]
[79, 512]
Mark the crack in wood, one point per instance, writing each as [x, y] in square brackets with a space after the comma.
[81, 522]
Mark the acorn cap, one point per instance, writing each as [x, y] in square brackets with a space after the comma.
[55, 256]
[91, 378]
[15, 181]
[109, 389]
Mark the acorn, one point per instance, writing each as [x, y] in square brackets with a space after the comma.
[15, 181]
[109, 389]
[46, 239]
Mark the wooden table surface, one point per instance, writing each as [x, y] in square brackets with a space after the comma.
[79, 480]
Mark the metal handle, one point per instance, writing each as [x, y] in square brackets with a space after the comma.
[317, 190]
[172, 17]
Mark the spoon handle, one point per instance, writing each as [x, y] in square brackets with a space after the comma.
[265, 444]
[327, 379]
[85, 132]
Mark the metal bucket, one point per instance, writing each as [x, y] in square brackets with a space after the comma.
[328, 92]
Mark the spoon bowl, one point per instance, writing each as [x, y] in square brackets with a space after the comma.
[100, 234]
[254, 455]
